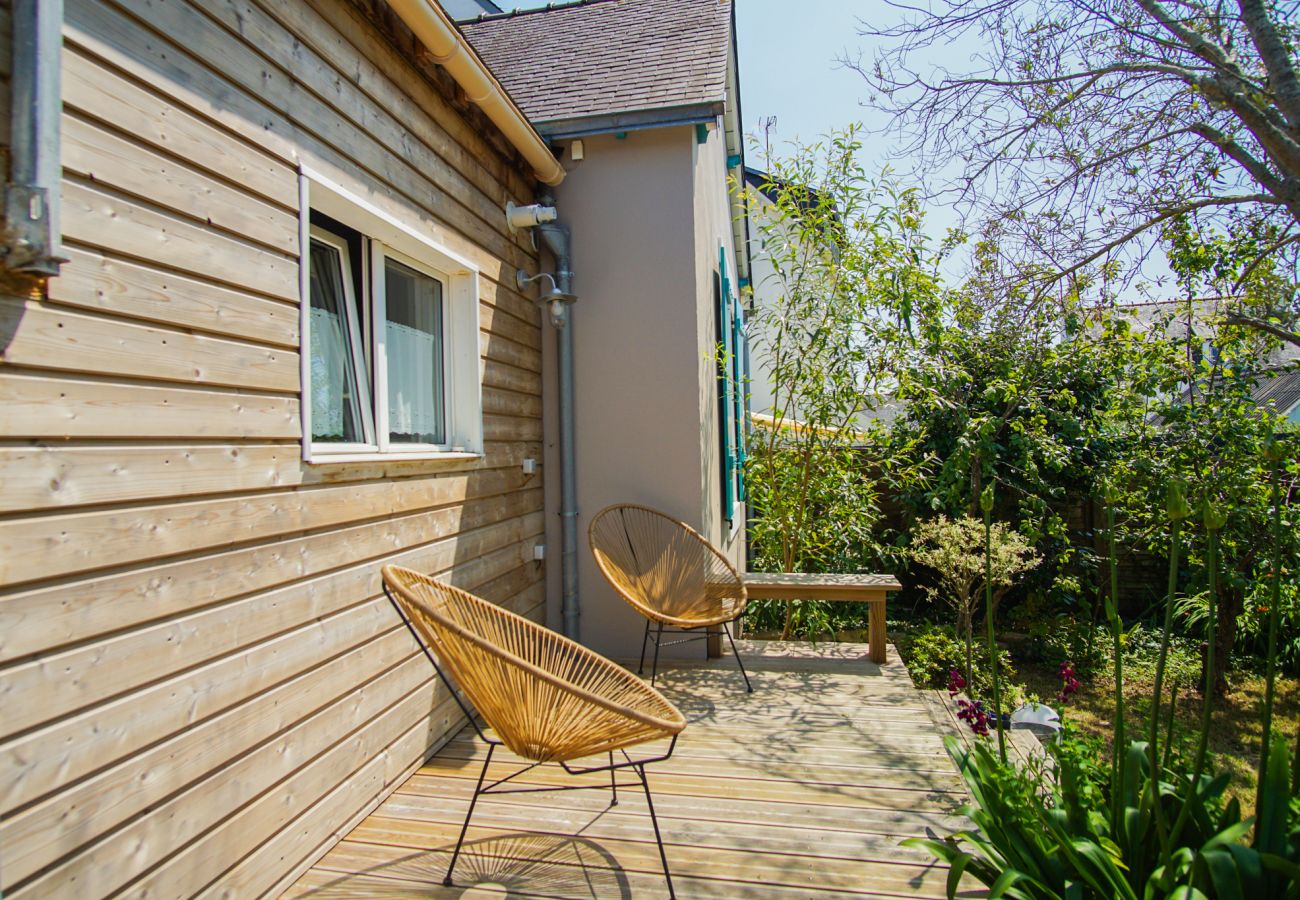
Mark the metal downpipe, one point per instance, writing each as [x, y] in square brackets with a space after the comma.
[32, 235]
[556, 237]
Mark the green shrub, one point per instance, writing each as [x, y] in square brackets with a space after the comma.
[1253, 622]
[1059, 639]
[933, 651]
[1062, 638]
[1142, 650]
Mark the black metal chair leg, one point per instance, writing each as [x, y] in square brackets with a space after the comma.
[464, 828]
[613, 779]
[659, 638]
[640, 669]
[654, 820]
[748, 687]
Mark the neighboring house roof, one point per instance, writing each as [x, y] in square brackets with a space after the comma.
[628, 63]
[1281, 391]
[771, 187]
[465, 9]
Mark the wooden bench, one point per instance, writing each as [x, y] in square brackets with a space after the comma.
[851, 588]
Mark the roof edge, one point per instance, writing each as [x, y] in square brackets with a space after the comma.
[451, 50]
[529, 11]
[637, 120]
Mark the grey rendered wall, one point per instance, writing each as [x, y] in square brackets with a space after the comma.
[637, 360]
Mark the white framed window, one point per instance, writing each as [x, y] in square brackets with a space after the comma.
[390, 335]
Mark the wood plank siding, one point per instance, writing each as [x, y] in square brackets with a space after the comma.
[202, 686]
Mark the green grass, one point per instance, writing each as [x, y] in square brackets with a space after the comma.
[1235, 719]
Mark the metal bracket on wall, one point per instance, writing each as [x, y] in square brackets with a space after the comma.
[27, 231]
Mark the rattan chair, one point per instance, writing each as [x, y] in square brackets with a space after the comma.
[670, 574]
[547, 698]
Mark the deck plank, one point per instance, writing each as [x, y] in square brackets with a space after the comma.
[804, 788]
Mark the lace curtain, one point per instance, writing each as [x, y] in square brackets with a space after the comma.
[414, 395]
[413, 345]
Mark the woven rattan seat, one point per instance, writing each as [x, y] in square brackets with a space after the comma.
[547, 698]
[669, 573]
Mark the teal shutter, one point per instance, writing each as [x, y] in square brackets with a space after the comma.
[740, 391]
[726, 392]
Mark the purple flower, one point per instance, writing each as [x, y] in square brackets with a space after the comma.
[974, 715]
[1069, 683]
[955, 683]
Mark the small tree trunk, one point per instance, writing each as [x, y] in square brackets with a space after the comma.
[964, 625]
[1231, 603]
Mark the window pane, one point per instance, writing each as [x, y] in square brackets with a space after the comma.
[335, 412]
[413, 343]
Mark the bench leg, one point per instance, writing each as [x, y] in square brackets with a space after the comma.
[876, 630]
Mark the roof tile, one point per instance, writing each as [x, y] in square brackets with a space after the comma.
[605, 57]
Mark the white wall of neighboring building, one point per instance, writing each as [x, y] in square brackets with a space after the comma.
[713, 230]
[766, 290]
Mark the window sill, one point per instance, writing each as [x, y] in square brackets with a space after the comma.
[448, 456]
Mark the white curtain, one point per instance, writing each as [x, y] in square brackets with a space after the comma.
[329, 369]
[414, 384]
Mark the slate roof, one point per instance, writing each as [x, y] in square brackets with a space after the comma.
[1283, 391]
[607, 57]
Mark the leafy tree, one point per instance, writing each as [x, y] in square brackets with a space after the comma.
[845, 253]
[1030, 401]
[955, 549]
[1206, 427]
[1080, 128]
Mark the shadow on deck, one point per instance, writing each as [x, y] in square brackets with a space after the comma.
[804, 787]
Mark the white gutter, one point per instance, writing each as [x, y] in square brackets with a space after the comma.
[451, 51]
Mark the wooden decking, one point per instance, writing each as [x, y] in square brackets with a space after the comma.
[803, 788]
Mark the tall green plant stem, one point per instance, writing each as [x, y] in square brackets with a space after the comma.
[1175, 527]
[1169, 727]
[1116, 630]
[970, 662]
[1295, 770]
[1212, 564]
[988, 617]
[1275, 601]
[1207, 698]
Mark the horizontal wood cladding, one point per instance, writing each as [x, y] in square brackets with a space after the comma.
[35, 405]
[42, 335]
[62, 476]
[93, 280]
[76, 678]
[68, 610]
[202, 685]
[187, 55]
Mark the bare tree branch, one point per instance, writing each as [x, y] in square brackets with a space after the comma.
[1252, 322]
[1081, 129]
[1279, 65]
